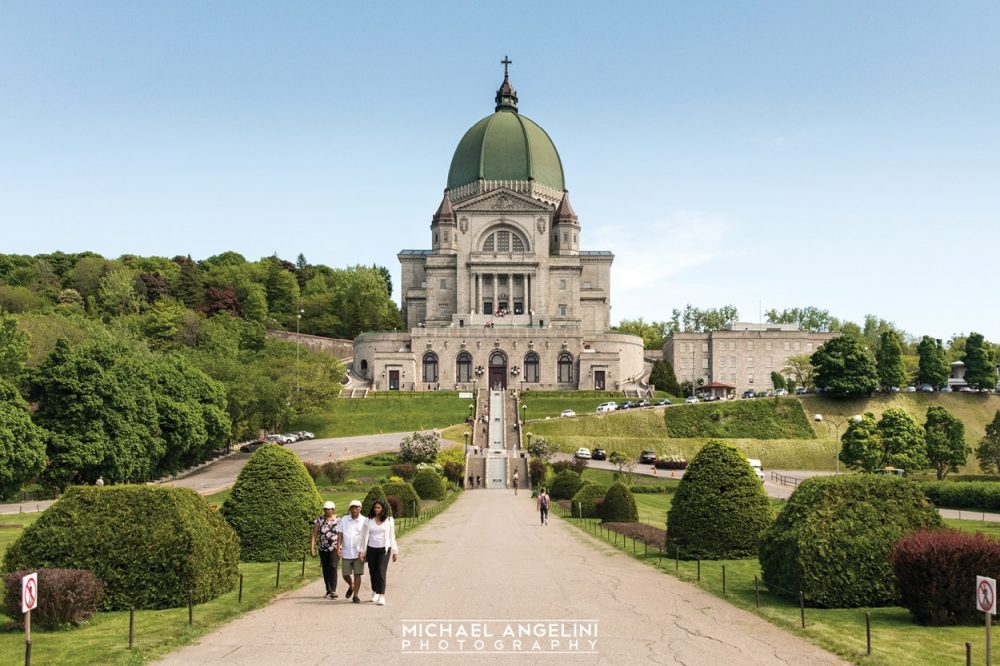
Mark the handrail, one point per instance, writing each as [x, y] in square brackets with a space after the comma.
[785, 480]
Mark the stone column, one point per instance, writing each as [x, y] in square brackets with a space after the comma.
[496, 279]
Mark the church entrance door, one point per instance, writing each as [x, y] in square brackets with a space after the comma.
[394, 380]
[498, 371]
[598, 380]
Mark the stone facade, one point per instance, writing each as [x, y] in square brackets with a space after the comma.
[744, 355]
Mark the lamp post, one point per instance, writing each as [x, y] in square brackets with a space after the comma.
[524, 409]
[472, 406]
[528, 434]
[466, 433]
[837, 423]
[298, 342]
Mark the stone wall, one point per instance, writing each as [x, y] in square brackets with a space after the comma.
[341, 349]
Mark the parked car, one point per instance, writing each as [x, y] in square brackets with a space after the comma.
[305, 434]
[647, 457]
[663, 402]
[747, 394]
[642, 403]
[628, 404]
[692, 400]
[966, 389]
[945, 389]
[801, 390]
[583, 452]
[605, 407]
[566, 413]
[927, 388]
[911, 389]
[252, 446]
[293, 437]
[893, 389]
[757, 468]
[278, 439]
[780, 392]
[891, 471]
[599, 454]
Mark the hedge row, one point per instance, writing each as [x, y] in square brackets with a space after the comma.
[983, 495]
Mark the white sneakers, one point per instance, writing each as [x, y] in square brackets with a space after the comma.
[381, 600]
[374, 596]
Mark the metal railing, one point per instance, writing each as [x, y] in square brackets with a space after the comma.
[785, 480]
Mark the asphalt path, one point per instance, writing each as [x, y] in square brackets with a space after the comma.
[485, 564]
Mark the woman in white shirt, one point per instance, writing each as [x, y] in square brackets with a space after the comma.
[378, 542]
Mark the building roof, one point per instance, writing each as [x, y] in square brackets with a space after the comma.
[719, 385]
[506, 146]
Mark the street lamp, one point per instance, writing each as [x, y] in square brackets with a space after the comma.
[837, 423]
[298, 343]
[528, 434]
[466, 433]
[524, 409]
[472, 406]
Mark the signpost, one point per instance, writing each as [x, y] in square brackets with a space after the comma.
[986, 601]
[29, 601]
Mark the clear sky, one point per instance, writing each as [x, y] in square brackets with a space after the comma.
[844, 155]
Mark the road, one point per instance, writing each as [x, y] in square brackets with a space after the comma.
[487, 563]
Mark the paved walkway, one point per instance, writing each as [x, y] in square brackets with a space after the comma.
[487, 559]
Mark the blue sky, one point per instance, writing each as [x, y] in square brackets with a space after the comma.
[842, 155]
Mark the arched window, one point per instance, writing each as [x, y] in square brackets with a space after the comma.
[506, 241]
[463, 367]
[430, 368]
[565, 368]
[531, 367]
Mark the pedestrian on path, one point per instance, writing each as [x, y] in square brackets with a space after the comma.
[377, 543]
[514, 480]
[543, 506]
[351, 529]
[325, 531]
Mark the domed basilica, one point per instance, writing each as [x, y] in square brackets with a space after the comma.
[505, 297]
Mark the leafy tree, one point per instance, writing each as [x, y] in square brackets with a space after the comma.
[663, 377]
[988, 451]
[540, 448]
[162, 321]
[980, 368]
[807, 319]
[386, 277]
[778, 380]
[896, 440]
[693, 319]
[860, 447]
[654, 334]
[889, 360]
[13, 347]
[933, 365]
[625, 465]
[945, 437]
[222, 300]
[419, 447]
[86, 275]
[22, 444]
[844, 367]
[116, 293]
[800, 369]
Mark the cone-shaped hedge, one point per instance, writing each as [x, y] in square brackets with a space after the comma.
[720, 509]
[407, 495]
[149, 545]
[619, 505]
[584, 502]
[834, 538]
[272, 506]
[564, 485]
[375, 493]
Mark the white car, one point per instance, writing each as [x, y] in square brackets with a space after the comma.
[757, 468]
[780, 392]
[583, 452]
[692, 400]
[606, 407]
[566, 413]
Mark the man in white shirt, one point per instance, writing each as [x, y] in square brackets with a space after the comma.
[350, 530]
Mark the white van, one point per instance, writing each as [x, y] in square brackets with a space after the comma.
[757, 468]
[607, 407]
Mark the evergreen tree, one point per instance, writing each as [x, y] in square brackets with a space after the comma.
[189, 288]
[933, 365]
[988, 451]
[896, 440]
[778, 380]
[945, 436]
[844, 367]
[889, 359]
[664, 379]
[980, 368]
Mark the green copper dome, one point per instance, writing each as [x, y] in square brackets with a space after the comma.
[506, 146]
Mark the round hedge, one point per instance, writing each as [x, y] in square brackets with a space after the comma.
[584, 502]
[376, 492]
[720, 508]
[149, 545]
[619, 505]
[834, 537]
[272, 506]
[405, 492]
[429, 484]
[564, 485]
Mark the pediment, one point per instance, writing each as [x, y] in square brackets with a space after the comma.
[503, 201]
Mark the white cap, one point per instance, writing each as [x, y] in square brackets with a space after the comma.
[329, 505]
[354, 503]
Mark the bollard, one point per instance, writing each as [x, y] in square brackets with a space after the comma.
[868, 631]
[756, 592]
[699, 569]
[677, 561]
[802, 607]
[723, 579]
[968, 653]
[303, 565]
[277, 576]
[645, 549]
[633, 545]
[240, 599]
[27, 652]
[190, 607]
[131, 626]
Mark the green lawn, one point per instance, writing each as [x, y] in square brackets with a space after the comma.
[541, 404]
[385, 411]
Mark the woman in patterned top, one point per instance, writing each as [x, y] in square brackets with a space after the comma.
[325, 531]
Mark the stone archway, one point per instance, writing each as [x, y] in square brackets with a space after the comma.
[498, 370]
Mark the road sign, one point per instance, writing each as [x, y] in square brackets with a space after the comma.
[986, 595]
[29, 592]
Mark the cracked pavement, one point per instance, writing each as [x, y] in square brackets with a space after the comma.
[487, 559]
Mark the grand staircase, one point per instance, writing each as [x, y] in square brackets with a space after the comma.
[495, 450]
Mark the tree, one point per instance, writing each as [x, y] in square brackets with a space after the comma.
[860, 446]
[807, 319]
[980, 368]
[22, 444]
[889, 360]
[988, 451]
[778, 380]
[419, 447]
[13, 347]
[945, 437]
[663, 377]
[654, 334]
[844, 367]
[696, 320]
[933, 365]
[386, 276]
[896, 440]
[540, 448]
[116, 293]
[800, 369]
[625, 465]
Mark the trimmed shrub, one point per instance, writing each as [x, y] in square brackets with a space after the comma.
[537, 469]
[272, 506]
[315, 471]
[834, 537]
[404, 470]
[935, 573]
[65, 596]
[429, 485]
[982, 495]
[720, 508]
[376, 492]
[395, 507]
[453, 471]
[584, 502]
[381, 460]
[564, 485]
[405, 492]
[619, 505]
[149, 545]
[336, 472]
